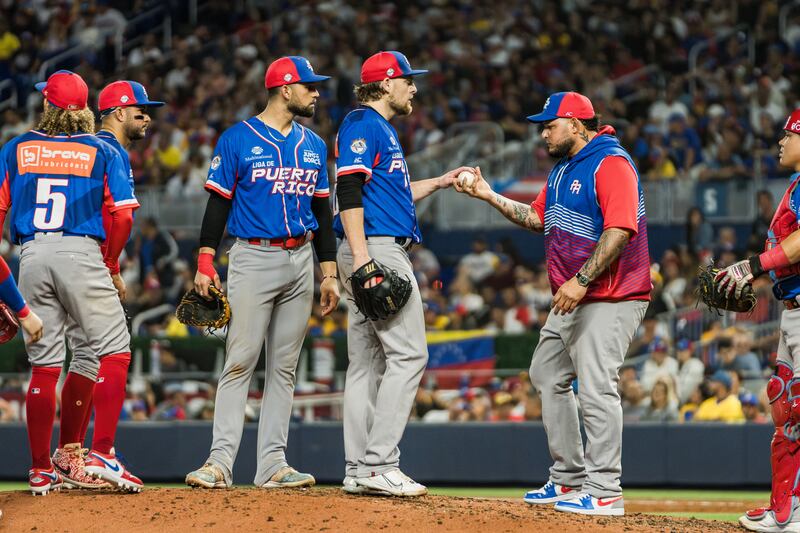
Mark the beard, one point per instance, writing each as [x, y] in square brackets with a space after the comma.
[135, 133]
[302, 111]
[561, 149]
[400, 109]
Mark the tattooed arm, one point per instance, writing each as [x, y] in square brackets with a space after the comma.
[608, 248]
[517, 212]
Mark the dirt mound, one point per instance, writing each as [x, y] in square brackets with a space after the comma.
[318, 509]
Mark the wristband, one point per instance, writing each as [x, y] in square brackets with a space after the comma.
[24, 312]
[205, 264]
[773, 259]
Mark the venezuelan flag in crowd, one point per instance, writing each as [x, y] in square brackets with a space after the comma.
[460, 350]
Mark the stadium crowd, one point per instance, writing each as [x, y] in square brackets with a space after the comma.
[497, 62]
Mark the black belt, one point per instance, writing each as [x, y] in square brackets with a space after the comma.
[405, 242]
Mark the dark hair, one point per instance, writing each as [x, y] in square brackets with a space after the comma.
[369, 92]
[591, 124]
[275, 91]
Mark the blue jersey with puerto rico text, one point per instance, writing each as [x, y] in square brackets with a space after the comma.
[270, 179]
[367, 143]
[61, 183]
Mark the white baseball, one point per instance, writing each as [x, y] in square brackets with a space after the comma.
[466, 179]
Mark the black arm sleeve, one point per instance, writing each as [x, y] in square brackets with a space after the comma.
[214, 220]
[348, 190]
[324, 241]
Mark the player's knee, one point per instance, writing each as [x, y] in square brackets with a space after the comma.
[778, 394]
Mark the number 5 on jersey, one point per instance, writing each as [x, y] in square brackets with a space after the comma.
[48, 200]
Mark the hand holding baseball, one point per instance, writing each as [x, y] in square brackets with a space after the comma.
[473, 185]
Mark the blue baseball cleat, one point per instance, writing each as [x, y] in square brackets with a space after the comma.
[550, 493]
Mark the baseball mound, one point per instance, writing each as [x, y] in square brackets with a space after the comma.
[317, 509]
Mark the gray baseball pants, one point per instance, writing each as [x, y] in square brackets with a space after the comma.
[386, 361]
[590, 343]
[270, 291]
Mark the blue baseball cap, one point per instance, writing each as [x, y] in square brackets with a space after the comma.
[291, 69]
[565, 105]
[748, 398]
[387, 65]
[720, 376]
[123, 94]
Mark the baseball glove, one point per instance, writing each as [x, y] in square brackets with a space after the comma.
[709, 293]
[9, 325]
[384, 299]
[194, 310]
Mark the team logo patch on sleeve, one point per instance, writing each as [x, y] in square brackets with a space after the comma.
[358, 146]
[216, 162]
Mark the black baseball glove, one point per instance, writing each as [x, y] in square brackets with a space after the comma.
[384, 299]
[194, 310]
[710, 294]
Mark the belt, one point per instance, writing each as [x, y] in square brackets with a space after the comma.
[791, 305]
[27, 238]
[287, 243]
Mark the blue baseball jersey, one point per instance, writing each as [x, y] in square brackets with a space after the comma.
[61, 183]
[367, 143]
[270, 179]
[111, 139]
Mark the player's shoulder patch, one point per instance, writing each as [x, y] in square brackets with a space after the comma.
[358, 146]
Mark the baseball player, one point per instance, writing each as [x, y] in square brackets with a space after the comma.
[592, 215]
[781, 259]
[376, 218]
[58, 177]
[269, 182]
[124, 108]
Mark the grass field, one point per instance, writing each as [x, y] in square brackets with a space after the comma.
[517, 492]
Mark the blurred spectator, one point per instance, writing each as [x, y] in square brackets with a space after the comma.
[185, 184]
[760, 227]
[750, 408]
[690, 370]
[688, 409]
[699, 233]
[724, 165]
[633, 400]
[156, 250]
[658, 365]
[722, 406]
[746, 363]
[480, 263]
[504, 409]
[663, 405]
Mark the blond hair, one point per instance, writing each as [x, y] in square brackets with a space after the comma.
[56, 121]
[369, 92]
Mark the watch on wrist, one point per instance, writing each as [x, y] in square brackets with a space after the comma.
[583, 280]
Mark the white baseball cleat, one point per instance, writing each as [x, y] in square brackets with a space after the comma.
[393, 482]
[766, 523]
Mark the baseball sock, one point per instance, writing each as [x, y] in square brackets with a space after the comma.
[76, 398]
[109, 394]
[86, 420]
[40, 409]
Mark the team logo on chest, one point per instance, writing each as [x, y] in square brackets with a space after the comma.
[256, 150]
[575, 188]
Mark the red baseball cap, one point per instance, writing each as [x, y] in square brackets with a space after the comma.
[793, 122]
[387, 65]
[291, 69]
[123, 94]
[66, 90]
[565, 105]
